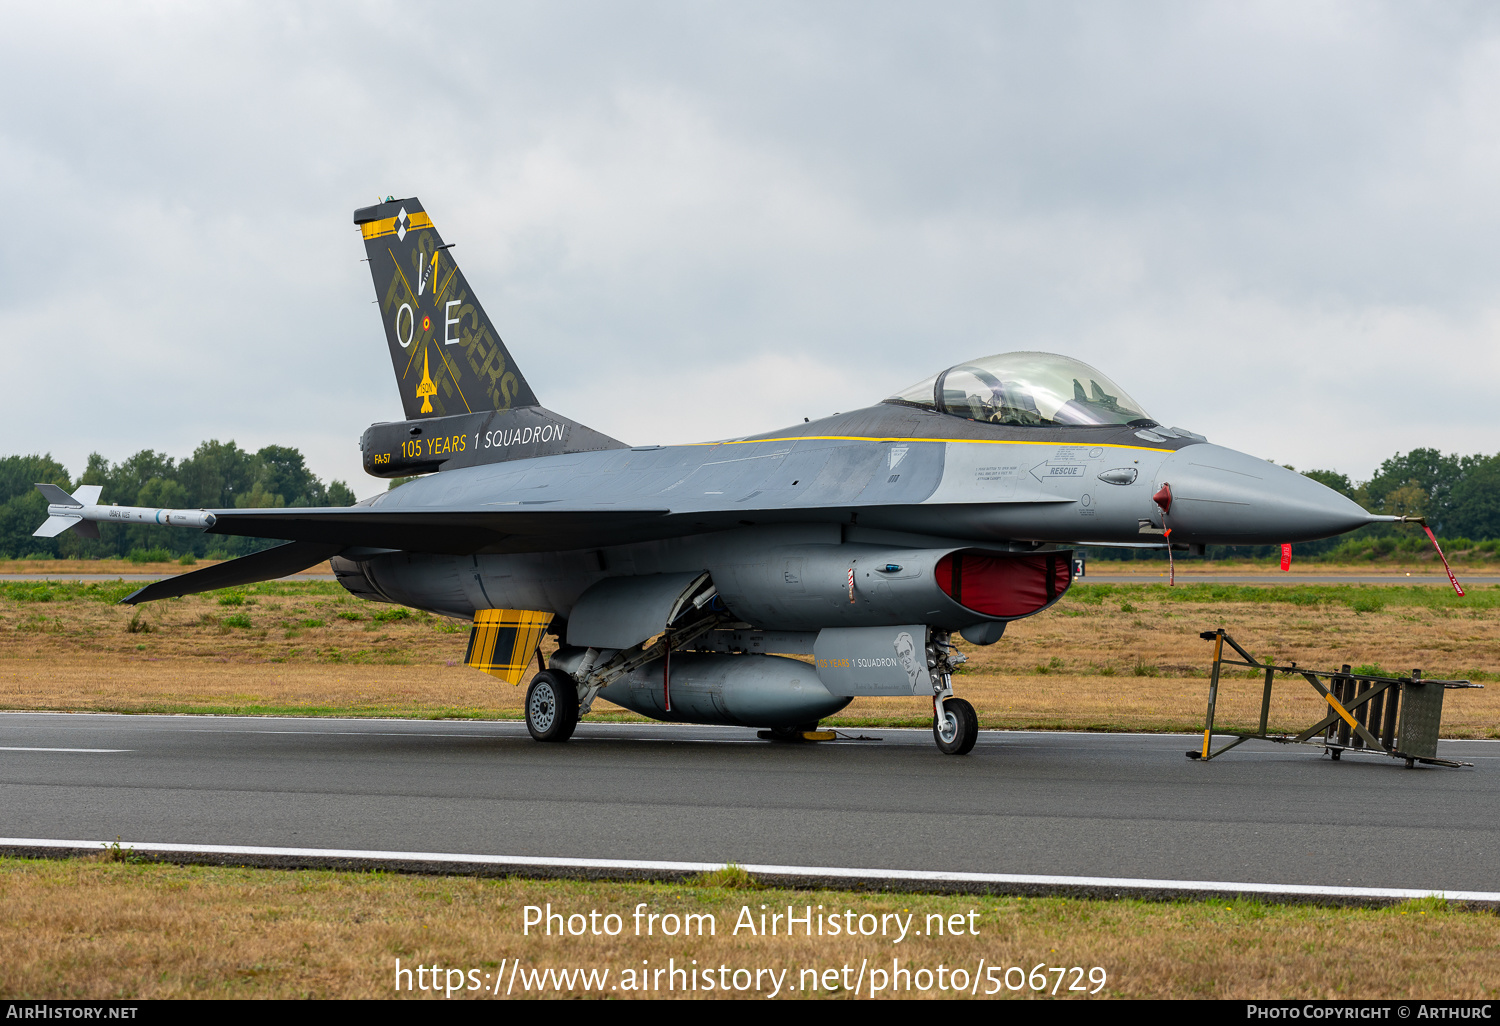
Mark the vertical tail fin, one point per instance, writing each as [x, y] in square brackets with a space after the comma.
[447, 357]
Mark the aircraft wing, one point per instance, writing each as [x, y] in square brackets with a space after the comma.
[315, 534]
[442, 531]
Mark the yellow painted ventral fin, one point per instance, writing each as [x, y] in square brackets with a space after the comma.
[504, 641]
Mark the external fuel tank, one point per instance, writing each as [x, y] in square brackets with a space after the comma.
[736, 690]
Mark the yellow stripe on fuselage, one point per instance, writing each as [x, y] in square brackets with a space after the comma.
[910, 438]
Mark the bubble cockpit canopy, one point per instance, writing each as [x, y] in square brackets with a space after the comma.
[1027, 389]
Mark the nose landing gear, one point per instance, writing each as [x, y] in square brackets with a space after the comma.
[955, 725]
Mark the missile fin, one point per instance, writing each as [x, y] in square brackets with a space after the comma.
[55, 496]
[55, 526]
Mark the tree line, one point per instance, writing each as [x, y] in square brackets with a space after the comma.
[218, 475]
[1460, 496]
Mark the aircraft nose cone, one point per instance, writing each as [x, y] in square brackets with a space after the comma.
[1226, 497]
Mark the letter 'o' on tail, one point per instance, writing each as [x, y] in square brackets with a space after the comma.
[447, 357]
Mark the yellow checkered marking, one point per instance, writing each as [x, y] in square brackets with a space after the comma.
[387, 225]
[504, 641]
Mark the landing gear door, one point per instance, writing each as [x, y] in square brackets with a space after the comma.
[619, 612]
[859, 661]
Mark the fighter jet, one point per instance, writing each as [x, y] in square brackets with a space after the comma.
[681, 582]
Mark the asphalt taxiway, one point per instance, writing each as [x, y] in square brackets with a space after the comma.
[1082, 805]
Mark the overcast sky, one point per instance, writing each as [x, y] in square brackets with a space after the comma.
[1274, 224]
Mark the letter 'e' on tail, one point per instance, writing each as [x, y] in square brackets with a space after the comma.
[447, 357]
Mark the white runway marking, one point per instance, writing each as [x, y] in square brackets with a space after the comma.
[826, 873]
[8, 748]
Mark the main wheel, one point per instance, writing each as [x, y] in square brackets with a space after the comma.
[551, 706]
[957, 731]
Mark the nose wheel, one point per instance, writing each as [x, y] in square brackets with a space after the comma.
[551, 706]
[955, 727]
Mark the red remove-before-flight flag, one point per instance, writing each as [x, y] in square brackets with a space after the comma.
[1286, 555]
[1452, 580]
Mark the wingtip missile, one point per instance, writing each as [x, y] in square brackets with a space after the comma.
[82, 511]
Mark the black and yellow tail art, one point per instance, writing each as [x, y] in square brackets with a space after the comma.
[447, 357]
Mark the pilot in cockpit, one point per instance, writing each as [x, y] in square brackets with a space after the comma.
[1026, 389]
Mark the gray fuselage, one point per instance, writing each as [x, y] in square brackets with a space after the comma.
[887, 485]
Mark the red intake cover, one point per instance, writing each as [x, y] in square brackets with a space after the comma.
[1005, 586]
[1163, 498]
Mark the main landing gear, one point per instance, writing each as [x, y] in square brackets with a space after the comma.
[556, 699]
[551, 706]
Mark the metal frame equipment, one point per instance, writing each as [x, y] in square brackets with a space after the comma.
[1395, 716]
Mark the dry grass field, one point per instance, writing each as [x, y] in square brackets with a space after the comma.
[111, 929]
[1109, 656]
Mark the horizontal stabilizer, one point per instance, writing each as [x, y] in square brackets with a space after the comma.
[260, 566]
